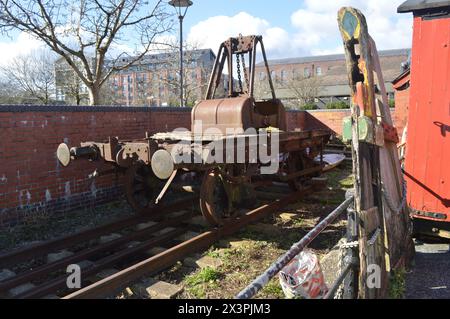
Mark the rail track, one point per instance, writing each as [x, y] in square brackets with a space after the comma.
[127, 245]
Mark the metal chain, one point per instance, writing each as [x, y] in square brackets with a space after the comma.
[352, 244]
[340, 291]
[346, 247]
[238, 66]
[389, 201]
[245, 72]
[341, 261]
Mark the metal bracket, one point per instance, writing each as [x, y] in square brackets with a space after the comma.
[374, 237]
[166, 186]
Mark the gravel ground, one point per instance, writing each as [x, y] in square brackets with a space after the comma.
[430, 277]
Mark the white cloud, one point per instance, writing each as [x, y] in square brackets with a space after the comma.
[213, 31]
[23, 44]
[316, 23]
[314, 28]
[336, 50]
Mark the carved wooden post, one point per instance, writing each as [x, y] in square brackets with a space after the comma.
[384, 234]
[365, 148]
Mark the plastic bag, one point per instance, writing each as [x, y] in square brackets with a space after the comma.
[303, 277]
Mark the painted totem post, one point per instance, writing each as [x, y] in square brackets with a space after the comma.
[383, 226]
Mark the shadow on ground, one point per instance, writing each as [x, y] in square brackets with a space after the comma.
[430, 277]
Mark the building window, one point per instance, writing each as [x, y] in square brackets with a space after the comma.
[306, 73]
[318, 70]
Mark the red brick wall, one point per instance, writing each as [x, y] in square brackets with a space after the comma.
[329, 118]
[333, 118]
[31, 178]
[401, 110]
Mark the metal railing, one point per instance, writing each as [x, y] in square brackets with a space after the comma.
[298, 247]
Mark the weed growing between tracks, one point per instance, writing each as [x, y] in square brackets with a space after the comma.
[249, 252]
[198, 283]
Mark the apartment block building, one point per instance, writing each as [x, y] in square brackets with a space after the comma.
[152, 81]
[155, 80]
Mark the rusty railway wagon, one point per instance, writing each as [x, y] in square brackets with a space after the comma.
[235, 128]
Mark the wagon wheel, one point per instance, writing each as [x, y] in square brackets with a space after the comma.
[141, 187]
[214, 201]
[296, 163]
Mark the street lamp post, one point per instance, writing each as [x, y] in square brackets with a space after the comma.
[182, 7]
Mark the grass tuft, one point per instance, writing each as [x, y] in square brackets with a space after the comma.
[397, 284]
[206, 275]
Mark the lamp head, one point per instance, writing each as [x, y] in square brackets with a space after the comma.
[180, 3]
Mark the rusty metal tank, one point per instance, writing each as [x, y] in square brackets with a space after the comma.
[239, 113]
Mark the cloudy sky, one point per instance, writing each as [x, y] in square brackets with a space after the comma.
[290, 27]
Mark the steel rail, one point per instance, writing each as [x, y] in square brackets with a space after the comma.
[38, 272]
[264, 278]
[174, 254]
[60, 282]
[22, 254]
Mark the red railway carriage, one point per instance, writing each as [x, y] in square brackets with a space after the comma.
[427, 162]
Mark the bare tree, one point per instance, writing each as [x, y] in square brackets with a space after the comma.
[69, 84]
[83, 31]
[8, 94]
[108, 95]
[303, 89]
[32, 75]
[262, 86]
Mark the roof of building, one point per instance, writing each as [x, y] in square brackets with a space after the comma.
[164, 57]
[401, 82]
[331, 57]
[415, 5]
[155, 59]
